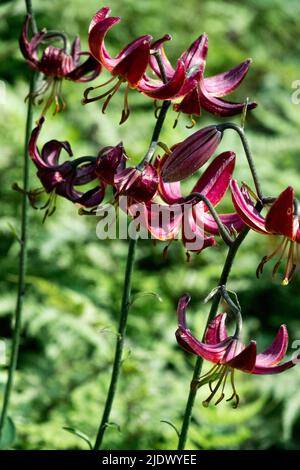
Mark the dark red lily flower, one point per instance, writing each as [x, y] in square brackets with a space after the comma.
[63, 178]
[139, 185]
[198, 92]
[281, 219]
[110, 161]
[228, 353]
[188, 156]
[128, 66]
[186, 215]
[56, 64]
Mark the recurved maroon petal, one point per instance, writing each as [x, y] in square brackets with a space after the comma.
[246, 210]
[259, 370]
[158, 90]
[213, 183]
[218, 106]
[216, 330]
[93, 197]
[48, 159]
[224, 83]
[193, 237]
[191, 154]
[163, 222]
[132, 61]
[51, 152]
[110, 161]
[99, 26]
[245, 360]
[231, 220]
[280, 218]
[194, 57]
[85, 72]
[76, 50]
[170, 192]
[181, 309]
[211, 352]
[190, 104]
[29, 47]
[276, 352]
[158, 46]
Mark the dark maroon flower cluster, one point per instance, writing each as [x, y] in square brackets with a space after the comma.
[153, 189]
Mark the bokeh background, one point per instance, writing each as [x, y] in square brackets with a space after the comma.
[74, 280]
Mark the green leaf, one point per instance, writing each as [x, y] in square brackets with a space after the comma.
[8, 435]
[79, 434]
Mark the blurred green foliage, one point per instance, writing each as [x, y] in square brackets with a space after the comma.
[74, 280]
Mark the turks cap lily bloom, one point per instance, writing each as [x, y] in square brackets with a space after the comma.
[186, 215]
[128, 66]
[228, 353]
[56, 64]
[63, 178]
[189, 155]
[110, 161]
[139, 185]
[198, 92]
[281, 219]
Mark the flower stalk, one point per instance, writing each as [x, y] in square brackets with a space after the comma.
[23, 247]
[199, 361]
[126, 300]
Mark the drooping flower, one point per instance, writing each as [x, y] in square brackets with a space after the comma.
[128, 66]
[63, 178]
[140, 185]
[189, 155]
[281, 219]
[56, 64]
[198, 92]
[228, 353]
[186, 215]
[110, 161]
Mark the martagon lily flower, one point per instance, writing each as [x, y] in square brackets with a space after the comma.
[228, 354]
[198, 92]
[281, 219]
[56, 64]
[187, 214]
[63, 178]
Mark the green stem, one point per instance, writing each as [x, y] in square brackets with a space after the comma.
[119, 344]
[23, 246]
[198, 365]
[126, 297]
[222, 228]
[22, 267]
[245, 143]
